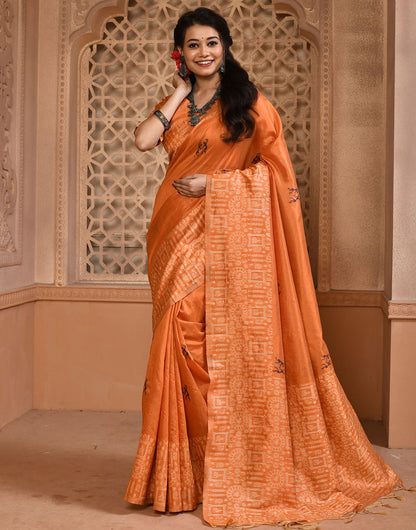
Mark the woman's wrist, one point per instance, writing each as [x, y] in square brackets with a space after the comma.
[180, 93]
[172, 104]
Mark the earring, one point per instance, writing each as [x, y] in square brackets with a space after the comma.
[222, 67]
[183, 70]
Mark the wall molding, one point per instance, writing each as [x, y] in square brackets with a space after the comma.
[21, 296]
[36, 293]
[392, 309]
[402, 310]
[351, 299]
[61, 151]
[324, 222]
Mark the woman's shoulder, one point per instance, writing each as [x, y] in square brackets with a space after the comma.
[263, 104]
[265, 111]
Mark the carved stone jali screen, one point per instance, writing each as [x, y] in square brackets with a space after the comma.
[123, 77]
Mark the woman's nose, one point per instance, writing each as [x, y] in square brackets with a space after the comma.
[203, 50]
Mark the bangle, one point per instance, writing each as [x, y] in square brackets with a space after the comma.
[163, 119]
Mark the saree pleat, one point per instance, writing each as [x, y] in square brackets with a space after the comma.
[169, 466]
[242, 409]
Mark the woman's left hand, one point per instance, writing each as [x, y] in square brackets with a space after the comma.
[191, 185]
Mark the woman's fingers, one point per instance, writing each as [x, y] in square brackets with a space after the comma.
[191, 185]
[188, 193]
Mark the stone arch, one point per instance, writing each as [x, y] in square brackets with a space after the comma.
[121, 77]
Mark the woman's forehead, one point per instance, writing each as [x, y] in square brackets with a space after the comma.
[198, 32]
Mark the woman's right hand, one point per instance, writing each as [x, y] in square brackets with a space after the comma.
[183, 86]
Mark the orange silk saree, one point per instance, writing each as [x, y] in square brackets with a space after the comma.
[242, 409]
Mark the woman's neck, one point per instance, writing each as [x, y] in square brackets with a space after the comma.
[204, 85]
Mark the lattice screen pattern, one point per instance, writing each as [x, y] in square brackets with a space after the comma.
[126, 74]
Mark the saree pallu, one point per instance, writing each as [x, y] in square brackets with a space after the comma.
[242, 409]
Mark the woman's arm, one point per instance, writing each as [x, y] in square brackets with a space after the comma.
[148, 133]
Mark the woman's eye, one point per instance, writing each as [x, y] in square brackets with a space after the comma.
[212, 43]
[193, 45]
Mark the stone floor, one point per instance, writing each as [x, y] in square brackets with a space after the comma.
[69, 470]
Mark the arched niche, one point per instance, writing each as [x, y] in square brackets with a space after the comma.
[122, 69]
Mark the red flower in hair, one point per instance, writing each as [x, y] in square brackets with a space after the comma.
[176, 56]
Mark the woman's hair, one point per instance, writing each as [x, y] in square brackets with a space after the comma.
[238, 93]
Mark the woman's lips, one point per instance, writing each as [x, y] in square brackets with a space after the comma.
[204, 63]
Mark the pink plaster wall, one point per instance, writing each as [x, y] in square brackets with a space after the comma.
[402, 358]
[402, 410]
[404, 192]
[16, 361]
[354, 336]
[359, 145]
[90, 355]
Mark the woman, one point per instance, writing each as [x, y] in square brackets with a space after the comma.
[247, 415]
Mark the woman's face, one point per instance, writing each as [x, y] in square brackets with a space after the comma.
[203, 50]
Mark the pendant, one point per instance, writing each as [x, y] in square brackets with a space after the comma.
[194, 119]
[195, 113]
